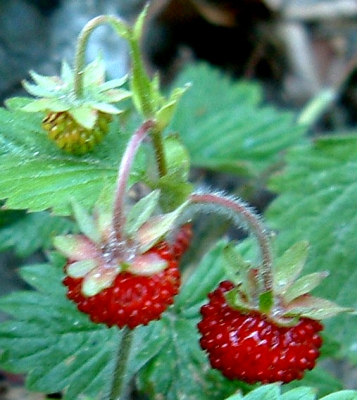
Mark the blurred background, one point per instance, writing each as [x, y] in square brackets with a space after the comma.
[294, 48]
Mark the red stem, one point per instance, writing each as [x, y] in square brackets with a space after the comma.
[253, 222]
[123, 176]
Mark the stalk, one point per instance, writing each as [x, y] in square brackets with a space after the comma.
[123, 176]
[242, 211]
[79, 61]
[118, 382]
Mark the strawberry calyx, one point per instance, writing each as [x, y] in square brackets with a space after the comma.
[290, 298]
[97, 256]
[57, 94]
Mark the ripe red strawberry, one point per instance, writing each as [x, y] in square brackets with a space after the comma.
[132, 299]
[250, 347]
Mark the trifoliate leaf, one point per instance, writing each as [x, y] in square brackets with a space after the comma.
[316, 202]
[226, 128]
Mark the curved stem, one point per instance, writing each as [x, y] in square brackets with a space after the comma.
[118, 382]
[79, 61]
[123, 176]
[252, 220]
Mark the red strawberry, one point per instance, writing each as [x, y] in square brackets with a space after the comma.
[249, 347]
[131, 300]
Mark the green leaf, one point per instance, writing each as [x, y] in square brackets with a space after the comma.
[321, 380]
[205, 278]
[300, 393]
[60, 348]
[226, 128]
[266, 392]
[27, 233]
[316, 196]
[343, 395]
[47, 178]
[189, 377]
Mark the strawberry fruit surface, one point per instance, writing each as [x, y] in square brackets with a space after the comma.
[249, 347]
[131, 300]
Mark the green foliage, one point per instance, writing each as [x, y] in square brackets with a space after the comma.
[45, 177]
[316, 196]
[273, 392]
[26, 233]
[226, 127]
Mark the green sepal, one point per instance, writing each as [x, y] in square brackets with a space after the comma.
[85, 116]
[75, 247]
[45, 105]
[289, 266]
[81, 268]
[266, 302]
[164, 115]
[67, 74]
[141, 212]
[147, 264]
[304, 285]
[114, 84]
[49, 82]
[157, 227]
[37, 91]
[106, 108]
[94, 73]
[315, 308]
[235, 266]
[236, 299]
[95, 281]
[85, 222]
[103, 210]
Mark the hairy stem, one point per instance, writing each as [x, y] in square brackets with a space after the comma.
[157, 143]
[118, 382]
[79, 61]
[252, 220]
[123, 176]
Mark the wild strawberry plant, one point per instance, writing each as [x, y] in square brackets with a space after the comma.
[138, 290]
